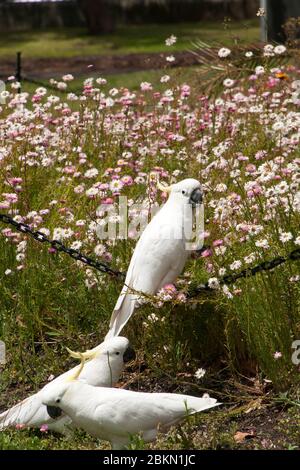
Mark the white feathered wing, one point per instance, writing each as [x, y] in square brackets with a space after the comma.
[158, 259]
[116, 414]
[32, 413]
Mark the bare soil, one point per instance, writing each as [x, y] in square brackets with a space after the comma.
[109, 64]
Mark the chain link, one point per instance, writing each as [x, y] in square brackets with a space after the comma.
[100, 266]
[249, 272]
[59, 246]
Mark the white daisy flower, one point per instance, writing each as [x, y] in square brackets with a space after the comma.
[224, 52]
[280, 49]
[200, 373]
[171, 40]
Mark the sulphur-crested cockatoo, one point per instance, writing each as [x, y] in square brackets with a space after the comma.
[161, 252]
[103, 369]
[114, 414]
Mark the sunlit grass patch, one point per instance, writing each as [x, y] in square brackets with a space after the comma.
[72, 42]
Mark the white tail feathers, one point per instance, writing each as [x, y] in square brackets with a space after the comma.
[189, 405]
[195, 404]
[7, 420]
[22, 413]
[123, 310]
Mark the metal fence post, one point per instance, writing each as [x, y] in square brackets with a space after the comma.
[19, 70]
[2, 353]
[263, 21]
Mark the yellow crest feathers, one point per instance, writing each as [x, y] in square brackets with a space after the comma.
[164, 188]
[82, 357]
[89, 354]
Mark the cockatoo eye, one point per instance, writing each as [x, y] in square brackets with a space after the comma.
[183, 191]
[117, 353]
[57, 400]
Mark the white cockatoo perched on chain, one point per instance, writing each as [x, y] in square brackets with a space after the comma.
[114, 414]
[103, 369]
[161, 252]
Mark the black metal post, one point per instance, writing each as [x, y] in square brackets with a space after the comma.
[19, 70]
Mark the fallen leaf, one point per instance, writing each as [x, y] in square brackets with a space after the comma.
[242, 436]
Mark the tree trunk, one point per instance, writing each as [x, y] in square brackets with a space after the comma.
[99, 15]
[250, 8]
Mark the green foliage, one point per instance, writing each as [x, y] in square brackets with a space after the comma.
[74, 42]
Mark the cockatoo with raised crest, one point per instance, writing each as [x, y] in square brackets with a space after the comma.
[160, 253]
[104, 367]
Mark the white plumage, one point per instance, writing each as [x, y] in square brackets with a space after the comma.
[115, 414]
[102, 370]
[160, 254]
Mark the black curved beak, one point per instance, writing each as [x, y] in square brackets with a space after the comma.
[196, 197]
[129, 355]
[54, 412]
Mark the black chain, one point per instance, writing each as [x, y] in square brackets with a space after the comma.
[100, 266]
[49, 86]
[75, 254]
[248, 272]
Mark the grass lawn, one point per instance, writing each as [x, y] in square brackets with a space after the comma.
[131, 80]
[127, 39]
